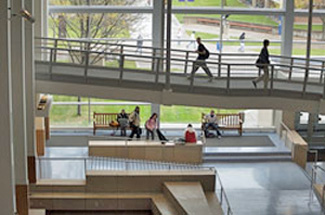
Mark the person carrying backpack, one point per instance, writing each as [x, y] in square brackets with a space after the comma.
[203, 54]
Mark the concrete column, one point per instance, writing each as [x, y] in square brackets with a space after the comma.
[45, 14]
[30, 94]
[312, 122]
[287, 28]
[155, 108]
[7, 196]
[158, 26]
[38, 26]
[19, 107]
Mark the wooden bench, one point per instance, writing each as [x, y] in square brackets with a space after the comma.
[103, 121]
[228, 122]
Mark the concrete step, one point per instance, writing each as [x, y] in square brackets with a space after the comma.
[212, 159]
[161, 206]
[248, 154]
[189, 198]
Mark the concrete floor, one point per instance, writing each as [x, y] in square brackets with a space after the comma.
[253, 188]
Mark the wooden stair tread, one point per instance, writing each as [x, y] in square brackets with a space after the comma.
[163, 205]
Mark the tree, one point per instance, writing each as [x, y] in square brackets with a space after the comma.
[85, 25]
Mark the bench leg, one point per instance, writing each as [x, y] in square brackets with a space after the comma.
[94, 131]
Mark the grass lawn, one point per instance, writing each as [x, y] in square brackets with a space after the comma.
[67, 115]
[315, 52]
[316, 27]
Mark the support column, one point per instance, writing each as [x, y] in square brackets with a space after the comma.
[158, 24]
[38, 11]
[30, 94]
[287, 28]
[155, 108]
[312, 122]
[19, 107]
[7, 202]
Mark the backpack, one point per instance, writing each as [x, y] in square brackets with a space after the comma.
[207, 53]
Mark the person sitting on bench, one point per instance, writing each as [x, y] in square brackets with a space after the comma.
[190, 134]
[211, 120]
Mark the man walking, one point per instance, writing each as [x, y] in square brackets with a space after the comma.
[263, 62]
[200, 61]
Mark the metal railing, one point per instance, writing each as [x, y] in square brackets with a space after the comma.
[228, 67]
[223, 199]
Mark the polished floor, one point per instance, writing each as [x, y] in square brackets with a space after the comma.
[269, 188]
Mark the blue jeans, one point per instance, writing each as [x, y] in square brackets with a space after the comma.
[214, 126]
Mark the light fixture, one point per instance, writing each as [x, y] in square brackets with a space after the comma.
[25, 14]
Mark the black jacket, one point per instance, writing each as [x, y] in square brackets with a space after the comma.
[264, 56]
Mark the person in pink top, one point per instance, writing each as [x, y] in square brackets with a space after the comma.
[151, 126]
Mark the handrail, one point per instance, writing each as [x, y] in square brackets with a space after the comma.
[223, 195]
[87, 40]
[173, 59]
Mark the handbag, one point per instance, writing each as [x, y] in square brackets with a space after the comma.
[259, 63]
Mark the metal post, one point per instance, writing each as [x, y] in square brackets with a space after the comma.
[153, 62]
[290, 70]
[322, 72]
[168, 45]
[228, 78]
[157, 71]
[219, 65]
[272, 78]
[121, 67]
[55, 47]
[221, 192]
[324, 88]
[310, 25]
[86, 64]
[186, 62]
[51, 62]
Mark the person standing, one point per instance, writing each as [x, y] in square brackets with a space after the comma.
[263, 62]
[203, 54]
[211, 120]
[123, 119]
[242, 42]
[192, 42]
[151, 126]
[134, 119]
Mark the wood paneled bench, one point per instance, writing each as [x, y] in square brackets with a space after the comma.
[103, 121]
[228, 122]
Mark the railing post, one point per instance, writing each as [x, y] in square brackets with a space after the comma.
[55, 52]
[192, 78]
[228, 78]
[272, 79]
[305, 82]
[322, 72]
[153, 62]
[186, 62]
[290, 70]
[324, 88]
[219, 65]
[221, 192]
[86, 64]
[51, 62]
[122, 49]
[121, 68]
[157, 71]
[40, 168]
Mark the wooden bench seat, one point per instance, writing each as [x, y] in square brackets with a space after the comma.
[228, 122]
[104, 120]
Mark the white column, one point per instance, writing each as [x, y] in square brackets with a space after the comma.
[18, 93]
[158, 23]
[287, 28]
[45, 13]
[38, 26]
[7, 202]
[30, 93]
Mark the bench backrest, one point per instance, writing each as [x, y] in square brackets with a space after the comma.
[228, 119]
[104, 118]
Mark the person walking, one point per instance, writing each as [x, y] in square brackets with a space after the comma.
[123, 120]
[151, 126]
[139, 44]
[242, 42]
[203, 54]
[263, 62]
[134, 119]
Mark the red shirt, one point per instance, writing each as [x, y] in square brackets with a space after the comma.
[190, 137]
